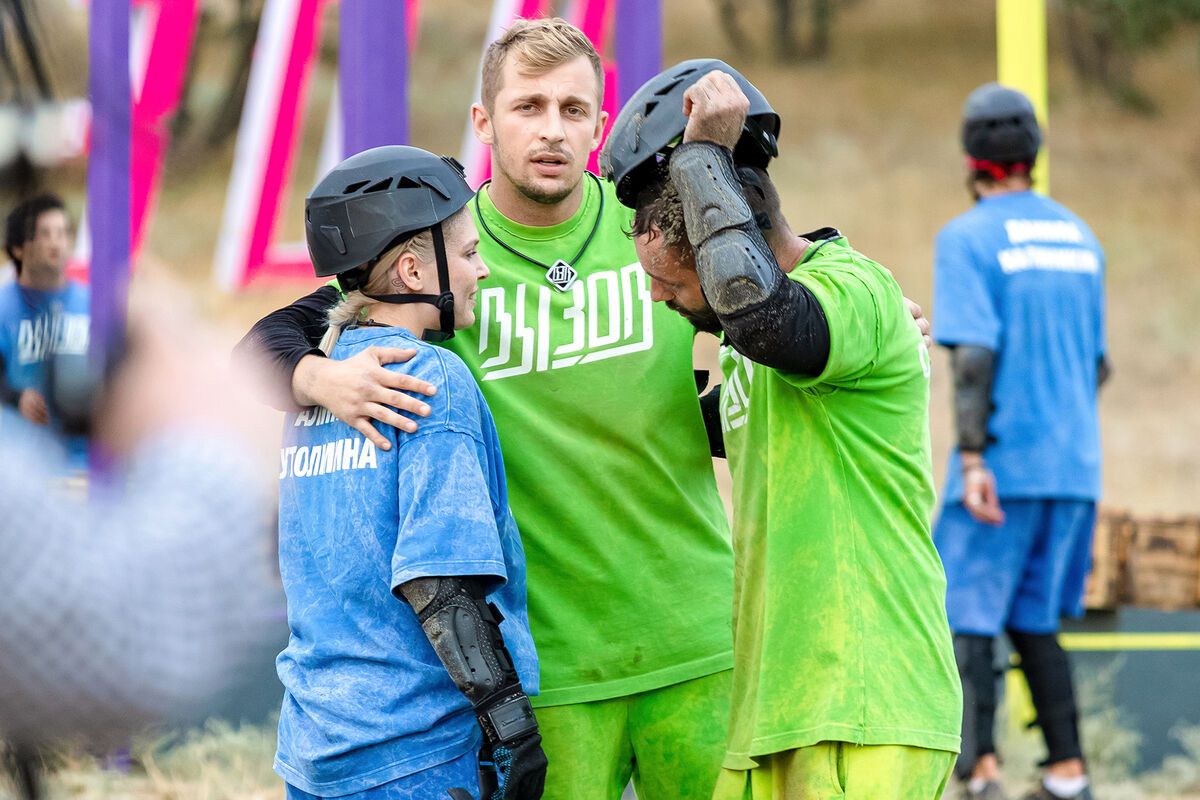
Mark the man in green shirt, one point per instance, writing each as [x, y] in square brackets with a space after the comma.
[845, 683]
[630, 570]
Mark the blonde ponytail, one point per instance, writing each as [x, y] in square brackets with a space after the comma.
[350, 309]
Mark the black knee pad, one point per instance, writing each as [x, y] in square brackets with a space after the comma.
[976, 668]
[1048, 672]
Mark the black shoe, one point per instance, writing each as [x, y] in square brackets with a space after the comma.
[1042, 793]
[992, 790]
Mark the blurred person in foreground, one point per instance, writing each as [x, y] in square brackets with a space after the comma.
[1019, 300]
[42, 313]
[143, 603]
[844, 683]
[404, 573]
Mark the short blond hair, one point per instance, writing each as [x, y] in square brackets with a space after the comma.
[537, 46]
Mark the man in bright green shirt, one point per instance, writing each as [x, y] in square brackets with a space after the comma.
[845, 683]
[564, 370]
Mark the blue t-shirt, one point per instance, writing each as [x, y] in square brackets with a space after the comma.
[1022, 276]
[34, 325]
[366, 699]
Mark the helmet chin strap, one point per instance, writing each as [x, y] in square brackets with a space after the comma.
[444, 301]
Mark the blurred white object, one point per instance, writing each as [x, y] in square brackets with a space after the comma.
[54, 132]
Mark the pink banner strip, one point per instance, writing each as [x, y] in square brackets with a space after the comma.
[594, 18]
[162, 86]
[412, 22]
[287, 130]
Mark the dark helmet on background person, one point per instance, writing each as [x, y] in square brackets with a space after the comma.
[652, 122]
[999, 126]
[373, 201]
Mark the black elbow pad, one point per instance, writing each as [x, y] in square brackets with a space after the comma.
[464, 630]
[788, 331]
[973, 368]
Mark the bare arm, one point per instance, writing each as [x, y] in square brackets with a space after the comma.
[28, 402]
[357, 390]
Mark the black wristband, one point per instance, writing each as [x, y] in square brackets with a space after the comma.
[506, 717]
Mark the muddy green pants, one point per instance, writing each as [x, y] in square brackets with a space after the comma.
[841, 771]
[670, 741]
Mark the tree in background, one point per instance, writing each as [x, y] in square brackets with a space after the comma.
[236, 27]
[790, 43]
[1104, 38]
[27, 83]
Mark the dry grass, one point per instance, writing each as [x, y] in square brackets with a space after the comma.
[223, 762]
[218, 762]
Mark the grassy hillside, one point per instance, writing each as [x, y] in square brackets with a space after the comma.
[869, 144]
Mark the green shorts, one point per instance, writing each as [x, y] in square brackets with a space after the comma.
[669, 741]
[841, 771]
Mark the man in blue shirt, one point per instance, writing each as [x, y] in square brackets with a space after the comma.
[42, 313]
[1019, 300]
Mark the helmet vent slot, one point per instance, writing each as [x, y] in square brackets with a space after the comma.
[653, 104]
[354, 187]
[407, 183]
[436, 185]
[670, 87]
[381, 186]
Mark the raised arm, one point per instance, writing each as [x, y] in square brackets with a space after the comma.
[766, 317]
[282, 338]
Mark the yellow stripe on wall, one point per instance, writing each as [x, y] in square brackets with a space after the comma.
[1130, 641]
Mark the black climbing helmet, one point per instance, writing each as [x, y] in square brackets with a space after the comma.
[652, 122]
[373, 201]
[999, 125]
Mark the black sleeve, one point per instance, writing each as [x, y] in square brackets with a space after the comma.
[787, 331]
[973, 368]
[710, 408]
[283, 337]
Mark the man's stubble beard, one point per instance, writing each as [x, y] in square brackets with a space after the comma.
[530, 192]
[705, 321]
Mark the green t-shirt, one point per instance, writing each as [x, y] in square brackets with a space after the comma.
[609, 475]
[840, 629]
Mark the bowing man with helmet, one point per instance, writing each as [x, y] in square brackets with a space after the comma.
[844, 683]
[410, 660]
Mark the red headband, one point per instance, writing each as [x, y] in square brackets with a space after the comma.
[997, 170]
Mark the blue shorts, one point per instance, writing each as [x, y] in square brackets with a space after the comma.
[462, 772]
[1024, 574]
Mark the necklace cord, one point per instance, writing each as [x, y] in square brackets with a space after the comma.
[534, 261]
